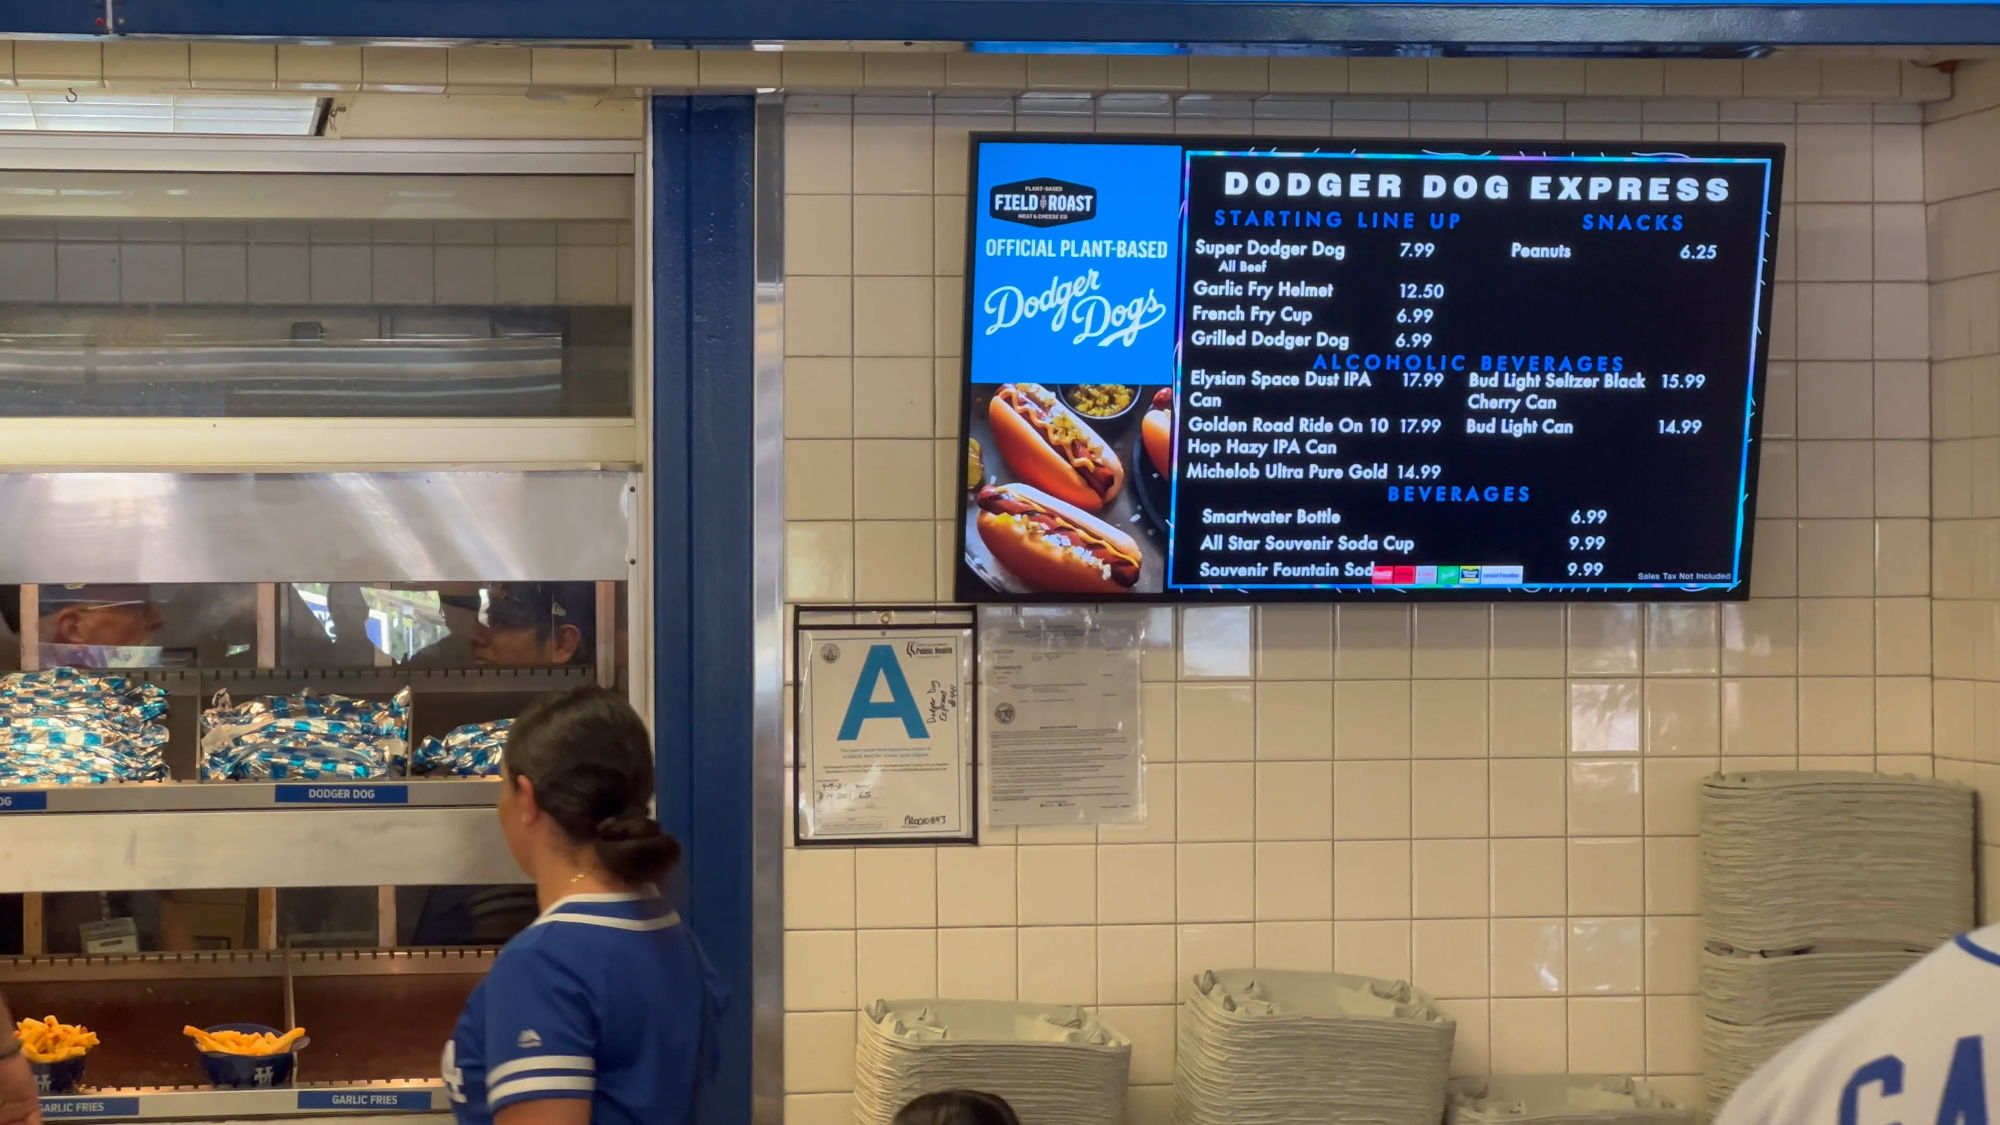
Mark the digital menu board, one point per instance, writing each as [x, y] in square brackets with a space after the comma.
[1470, 370]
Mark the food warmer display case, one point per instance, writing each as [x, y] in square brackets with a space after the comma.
[322, 458]
[271, 804]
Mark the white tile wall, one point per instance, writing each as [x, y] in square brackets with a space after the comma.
[1497, 803]
[282, 263]
[1963, 185]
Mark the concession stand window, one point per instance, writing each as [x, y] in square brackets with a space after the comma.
[321, 476]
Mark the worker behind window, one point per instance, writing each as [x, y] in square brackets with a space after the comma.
[518, 625]
[536, 625]
[90, 626]
[604, 1011]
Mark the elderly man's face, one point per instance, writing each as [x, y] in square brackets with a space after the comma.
[108, 625]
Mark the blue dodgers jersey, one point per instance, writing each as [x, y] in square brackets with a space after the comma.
[606, 998]
[1923, 1048]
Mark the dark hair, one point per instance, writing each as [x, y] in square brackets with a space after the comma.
[958, 1107]
[591, 761]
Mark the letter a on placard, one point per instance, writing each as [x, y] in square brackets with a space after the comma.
[881, 664]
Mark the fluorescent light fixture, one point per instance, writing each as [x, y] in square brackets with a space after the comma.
[98, 111]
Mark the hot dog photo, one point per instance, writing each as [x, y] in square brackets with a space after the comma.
[1067, 490]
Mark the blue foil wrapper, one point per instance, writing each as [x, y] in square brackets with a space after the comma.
[61, 726]
[472, 750]
[307, 736]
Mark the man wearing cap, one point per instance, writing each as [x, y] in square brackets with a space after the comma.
[536, 624]
[521, 625]
[90, 626]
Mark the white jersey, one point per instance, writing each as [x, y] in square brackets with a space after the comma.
[1923, 1048]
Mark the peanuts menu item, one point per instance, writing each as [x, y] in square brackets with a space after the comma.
[1048, 446]
[65, 727]
[1052, 545]
[472, 750]
[305, 737]
[46, 1041]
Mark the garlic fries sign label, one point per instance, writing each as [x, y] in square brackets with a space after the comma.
[884, 750]
[407, 1101]
[90, 1107]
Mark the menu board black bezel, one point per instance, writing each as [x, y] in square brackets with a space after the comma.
[969, 588]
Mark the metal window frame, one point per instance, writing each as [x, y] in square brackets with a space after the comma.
[601, 448]
[167, 443]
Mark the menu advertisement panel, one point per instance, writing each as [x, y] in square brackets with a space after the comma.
[1328, 370]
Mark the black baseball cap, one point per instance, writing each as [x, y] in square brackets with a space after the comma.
[58, 597]
[525, 605]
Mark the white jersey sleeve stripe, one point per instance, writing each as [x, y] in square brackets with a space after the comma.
[539, 1063]
[1966, 943]
[664, 922]
[574, 1083]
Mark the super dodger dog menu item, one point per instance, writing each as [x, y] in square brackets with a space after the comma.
[1345, 370]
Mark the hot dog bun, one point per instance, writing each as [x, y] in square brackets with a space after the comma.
[1156, 433]
[1053, 546]
[1053, 449]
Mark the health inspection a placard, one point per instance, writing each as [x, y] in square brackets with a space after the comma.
[884, 739]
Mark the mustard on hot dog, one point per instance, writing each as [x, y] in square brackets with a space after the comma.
[1053, 546]
[1053, 449]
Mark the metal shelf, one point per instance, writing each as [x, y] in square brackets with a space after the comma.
[218, 796]
[200, 683]
[369, 846]
[304, 1100]
[249, 964]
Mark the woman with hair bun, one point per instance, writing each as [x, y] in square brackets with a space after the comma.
[602, 1011]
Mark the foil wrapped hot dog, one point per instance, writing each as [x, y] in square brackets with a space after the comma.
[472, 750]
[308, 736]
[62, 726]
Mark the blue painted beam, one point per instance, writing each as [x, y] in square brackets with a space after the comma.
[1191, 21]
[703, 290]
[52, 17]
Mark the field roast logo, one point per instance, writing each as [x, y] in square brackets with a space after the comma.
[1042, 203]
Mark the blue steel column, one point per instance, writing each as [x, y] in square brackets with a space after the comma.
[703, 410]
